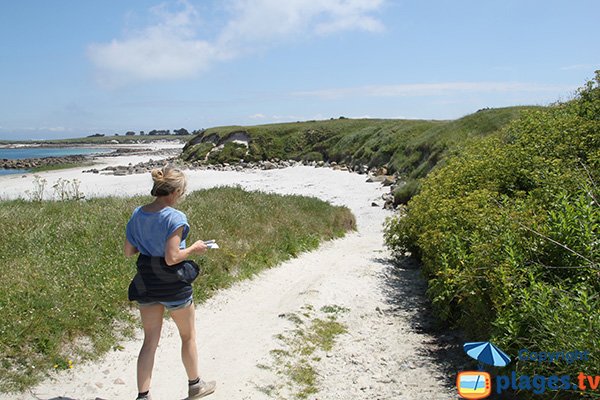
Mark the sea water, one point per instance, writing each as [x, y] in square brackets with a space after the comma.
[41, 152]
[12, 171]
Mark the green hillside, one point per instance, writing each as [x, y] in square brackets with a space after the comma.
[408, 147]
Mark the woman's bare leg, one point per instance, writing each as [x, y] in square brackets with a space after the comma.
[185, 319]
[152, 317]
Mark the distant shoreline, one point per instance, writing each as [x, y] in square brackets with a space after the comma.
[109, 142]
[33, 164]
[94, 141]
[55, 145]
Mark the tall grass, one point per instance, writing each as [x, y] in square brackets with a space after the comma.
[65, 279]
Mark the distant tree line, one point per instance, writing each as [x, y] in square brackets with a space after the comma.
[157, 132]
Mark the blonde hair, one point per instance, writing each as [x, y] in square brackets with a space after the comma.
[167, 180]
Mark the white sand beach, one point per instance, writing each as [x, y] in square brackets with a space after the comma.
[386, 353]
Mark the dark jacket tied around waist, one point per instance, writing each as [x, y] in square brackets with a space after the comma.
[156, 281]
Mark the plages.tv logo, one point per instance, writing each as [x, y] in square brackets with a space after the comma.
[474, 384]
[478, 384]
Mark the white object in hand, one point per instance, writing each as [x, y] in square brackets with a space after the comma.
[211, 244]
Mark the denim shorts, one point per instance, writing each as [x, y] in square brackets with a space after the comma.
[169, 305]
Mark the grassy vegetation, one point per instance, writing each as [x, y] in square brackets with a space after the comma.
[55, 167]
[409, 147]
[65, 279]
[509, 231]
[302, 348]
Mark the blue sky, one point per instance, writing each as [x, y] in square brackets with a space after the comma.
[71, 68]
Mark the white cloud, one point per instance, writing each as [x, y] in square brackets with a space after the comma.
[171, 47]
[55, 128]
[283, 118]
[166, 50]
[431, 89]
[578, 67]
[257, 116]
[46, 128]
[290, 118]
[258, 22]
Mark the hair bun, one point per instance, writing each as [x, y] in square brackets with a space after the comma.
[157, 175]
[167, 180]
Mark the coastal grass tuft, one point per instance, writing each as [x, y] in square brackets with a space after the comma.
[302, 347]
[64, 296]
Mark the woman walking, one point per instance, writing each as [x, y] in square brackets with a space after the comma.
[157, 232]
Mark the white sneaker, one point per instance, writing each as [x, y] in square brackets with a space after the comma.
[201, 389]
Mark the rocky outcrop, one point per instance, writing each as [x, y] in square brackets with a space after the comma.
[130, 169]
[29, 163]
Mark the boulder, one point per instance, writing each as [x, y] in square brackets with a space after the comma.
[377, 179]
[269, 165]
[389, 180]
[387, 197]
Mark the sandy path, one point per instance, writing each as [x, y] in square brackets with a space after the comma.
[383, 356]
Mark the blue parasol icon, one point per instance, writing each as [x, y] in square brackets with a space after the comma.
[487, 353]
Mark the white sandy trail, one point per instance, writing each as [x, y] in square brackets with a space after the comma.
[380, 357]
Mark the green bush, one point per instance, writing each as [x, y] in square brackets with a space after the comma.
[196, 152]
[230, 153]
[405, 192]
[508, 232]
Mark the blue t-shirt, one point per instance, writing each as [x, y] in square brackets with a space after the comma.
[149, 231]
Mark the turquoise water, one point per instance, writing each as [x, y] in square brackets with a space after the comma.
[12, 171]
[41, 152]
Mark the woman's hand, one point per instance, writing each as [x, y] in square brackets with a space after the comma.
[198, 247]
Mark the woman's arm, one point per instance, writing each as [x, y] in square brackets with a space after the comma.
[175, 255]
[129, 249]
